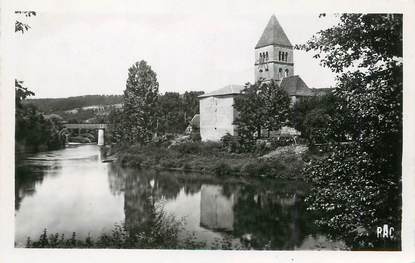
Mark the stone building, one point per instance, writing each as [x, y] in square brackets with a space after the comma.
[217, 113]
[274, 60]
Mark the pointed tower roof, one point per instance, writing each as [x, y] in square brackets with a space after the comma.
[273, 35]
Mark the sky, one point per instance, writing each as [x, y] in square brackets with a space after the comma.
[77, 53]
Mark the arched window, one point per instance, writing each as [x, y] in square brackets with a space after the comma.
[286, 56]
[280, 73]
[279, 55]
[266, 56]
[260, 58]
[286, 73]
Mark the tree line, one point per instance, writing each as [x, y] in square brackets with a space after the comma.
[53, 105]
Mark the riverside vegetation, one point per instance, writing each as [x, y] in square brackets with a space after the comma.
[213, 158]
[161, 232]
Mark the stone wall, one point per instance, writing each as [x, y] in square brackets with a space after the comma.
[274, 63]
[216, 117]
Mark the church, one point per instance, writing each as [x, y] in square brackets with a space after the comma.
[274, 60]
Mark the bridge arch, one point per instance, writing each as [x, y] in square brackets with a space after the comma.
[101, 127]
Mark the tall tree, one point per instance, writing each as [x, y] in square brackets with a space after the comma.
[358, 186]
[140, 103]
[263, 105]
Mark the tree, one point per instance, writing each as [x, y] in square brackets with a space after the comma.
[191, 104]
[140, 103]
[357, 187]
[171, 112]
[263, 105]
[176, 111]
[22, 27]
[312, 117]
[33, 130]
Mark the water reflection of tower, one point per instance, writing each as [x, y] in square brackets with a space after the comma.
[216, 209]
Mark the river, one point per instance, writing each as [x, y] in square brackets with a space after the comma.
[72, 190]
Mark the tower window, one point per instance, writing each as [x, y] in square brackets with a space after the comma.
[286, 56]
[279, 55]
[266, 56]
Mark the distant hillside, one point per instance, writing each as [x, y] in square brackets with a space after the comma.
[48, 106]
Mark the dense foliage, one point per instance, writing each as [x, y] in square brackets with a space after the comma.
[175, 111]
[50, 105]
[357, 187]
[34, 131]
[139, 118]
[313, 115]
[262, 106]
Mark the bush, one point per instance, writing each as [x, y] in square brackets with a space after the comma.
[187, 147]
[281, 141]
[187, 166]
[195, 136]
[161, 232]
[223, 169]
[285, 168]
[261, 147]
[131, 160]
[231, 143]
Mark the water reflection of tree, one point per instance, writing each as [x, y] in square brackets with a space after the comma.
[26, 178]
[262, 216]
[143, 190]
[268, 219]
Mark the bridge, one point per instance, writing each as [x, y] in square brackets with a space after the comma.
[101, 127]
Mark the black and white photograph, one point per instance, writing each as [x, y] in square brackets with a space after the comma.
[184, 126]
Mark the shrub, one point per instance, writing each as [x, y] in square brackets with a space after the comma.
[281, 141]
[195, 136]
[231, 143]
[261, 147]
[188, 147]
[223, 169]
[131, 160]
[187, 166]
[162, 232]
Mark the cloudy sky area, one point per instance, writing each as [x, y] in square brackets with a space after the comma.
[78, 53]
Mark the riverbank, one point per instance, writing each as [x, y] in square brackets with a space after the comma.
[211, 158]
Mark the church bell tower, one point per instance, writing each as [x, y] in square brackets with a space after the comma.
[274, 56]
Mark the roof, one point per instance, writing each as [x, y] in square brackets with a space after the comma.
[195, 121]
[295, 86]
[227, 90]
[273, 35]
[322, 91]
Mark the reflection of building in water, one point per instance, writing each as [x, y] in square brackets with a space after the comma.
[216, 210]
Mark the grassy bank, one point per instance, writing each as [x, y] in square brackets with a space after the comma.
[212, 158]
